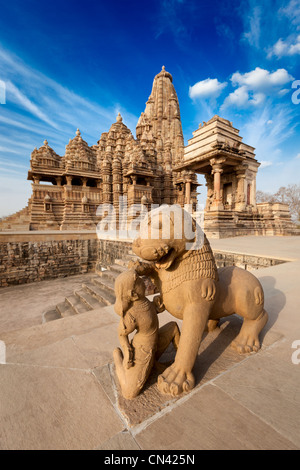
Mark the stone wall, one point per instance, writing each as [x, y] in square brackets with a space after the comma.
[36, 256]
[28, 258]
[248, 262]
[110, 250]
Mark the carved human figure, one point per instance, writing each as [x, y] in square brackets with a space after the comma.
[193, 290]
[137, 357]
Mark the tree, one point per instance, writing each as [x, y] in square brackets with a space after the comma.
[261, 196]
[289, 195]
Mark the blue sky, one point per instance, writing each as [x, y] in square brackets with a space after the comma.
[76, 64]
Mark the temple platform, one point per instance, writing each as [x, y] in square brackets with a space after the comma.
[58, 388]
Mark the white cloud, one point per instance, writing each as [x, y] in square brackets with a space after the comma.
[261, 79]
[208, 88]
[241, 98]
[255, 86]
[265, 164]
[238, 98]
[288, 47]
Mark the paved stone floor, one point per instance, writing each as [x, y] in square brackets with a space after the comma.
[23, 306]
[58, 387]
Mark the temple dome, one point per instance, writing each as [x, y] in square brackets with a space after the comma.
[164, 73]
[78, 149]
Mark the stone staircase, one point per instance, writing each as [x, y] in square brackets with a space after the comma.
[97, 291]
[18, 221]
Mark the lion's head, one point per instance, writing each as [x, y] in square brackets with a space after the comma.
[165, 234]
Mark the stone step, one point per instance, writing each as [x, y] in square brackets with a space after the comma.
[64, 309]
[116, 268]
[51, 332]
[122, 262]
[107, 283]
[100, 292]
[109, 274]
[76, 304]
[87, 298]
[51, 315]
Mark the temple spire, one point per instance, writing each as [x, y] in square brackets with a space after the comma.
[162, 116]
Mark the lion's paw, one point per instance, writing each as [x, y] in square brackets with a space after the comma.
[174, 381]
[246, 344]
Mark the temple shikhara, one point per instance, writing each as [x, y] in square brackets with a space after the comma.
[155, 167]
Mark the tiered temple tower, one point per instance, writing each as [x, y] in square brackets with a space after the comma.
[118, 165]
[153, 168]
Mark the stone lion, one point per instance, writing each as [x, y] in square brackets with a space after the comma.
[183, 268]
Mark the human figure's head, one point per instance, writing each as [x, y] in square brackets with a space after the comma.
[129, 288]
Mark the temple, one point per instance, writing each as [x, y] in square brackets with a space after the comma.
[218, 152]
[118, 165]
[153, 168]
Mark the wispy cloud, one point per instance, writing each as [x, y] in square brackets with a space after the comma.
[292, 12]
[15, 95]
[174, 18]
[252, 36]
[38, 107]
[268, 128]
[46, 100]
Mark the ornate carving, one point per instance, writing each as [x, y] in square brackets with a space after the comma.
[193, 290]
[137, 357]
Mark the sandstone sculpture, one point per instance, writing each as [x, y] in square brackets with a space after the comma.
[194, 290]
[134, 364]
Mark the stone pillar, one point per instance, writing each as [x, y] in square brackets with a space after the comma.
[69, 180]
[217, 170]
[36, 180]
[188, 192]
[117, 182]
[241, 190]
[210, 192]
[58, 180]
[84, 181]
[106, 179]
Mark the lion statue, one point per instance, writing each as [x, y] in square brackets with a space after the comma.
[178, 258]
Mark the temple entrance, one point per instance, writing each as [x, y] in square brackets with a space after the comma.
[227, 194]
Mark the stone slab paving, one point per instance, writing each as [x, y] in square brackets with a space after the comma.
[208, 420]
[53, 408]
